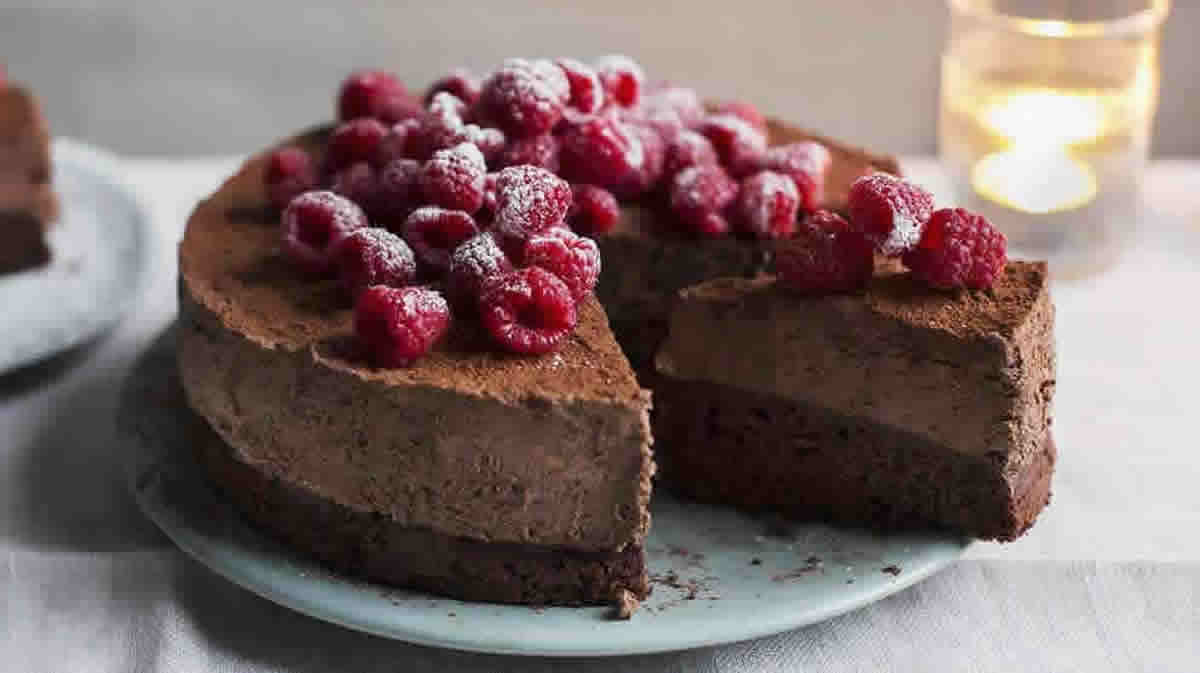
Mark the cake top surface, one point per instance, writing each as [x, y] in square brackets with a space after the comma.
[231, 265]
[893, 292]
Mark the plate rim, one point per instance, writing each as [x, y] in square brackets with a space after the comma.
[270, 569]
[106, 168]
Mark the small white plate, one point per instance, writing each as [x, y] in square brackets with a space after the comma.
[719, 576]
[99, 246]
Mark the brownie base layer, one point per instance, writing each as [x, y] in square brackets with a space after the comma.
[24, 242]
[761, 452]
[375, 548]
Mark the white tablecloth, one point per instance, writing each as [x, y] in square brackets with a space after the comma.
[1109, 579]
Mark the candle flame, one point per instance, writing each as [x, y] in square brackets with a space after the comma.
[1041, 117]
[1037, 174]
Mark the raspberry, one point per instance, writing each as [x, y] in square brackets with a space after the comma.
[889, 211]
[643, 178]
[527, 311]
[768, 203]
[400, 108]
[574, 259]
[806, 163]
[397, 191]
[453, 178]
[473, 263]
[354, 141]
[681, 103]
[487, 211]
[525, 98]
[698, 194]
[745, 111]
[529, 200]
[442, 127]
[313, 223]
[371, 256]
[824, 257]
[594, 210]
[958, 249]
[460, 82]
[446, 105]
[686, 149]
[739, 144]
[290, 173]
[540, 151]
[398, 326]
[433, 233]
[622, 78]
[662, 119]
[397, 144]
[372, 93]
[600, 150]
[357, 182]
[587, 93]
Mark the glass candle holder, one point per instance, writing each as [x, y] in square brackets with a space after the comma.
[1045, 117]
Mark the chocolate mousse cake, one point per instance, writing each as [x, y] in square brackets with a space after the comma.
[27, 202]
[899, 406]
[398, 331]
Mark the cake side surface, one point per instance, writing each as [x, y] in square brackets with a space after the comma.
[468, 444]
[649, 263]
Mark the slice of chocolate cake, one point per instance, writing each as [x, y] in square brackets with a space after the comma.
[899, 406]
[27, 201]
[652, 260]
[472, 473]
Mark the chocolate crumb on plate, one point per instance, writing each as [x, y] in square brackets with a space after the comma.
[626, 605]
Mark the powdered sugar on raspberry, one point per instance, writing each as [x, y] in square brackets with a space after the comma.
[622, 78]
[890, 211]
[586, 91]
[462, 157]
[683, 102]
[769, 202]
[530, 200]
[739, 130]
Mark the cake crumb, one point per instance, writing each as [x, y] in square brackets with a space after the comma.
[626, 605]
[811, 564]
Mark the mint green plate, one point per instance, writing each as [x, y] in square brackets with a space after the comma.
[719, 576]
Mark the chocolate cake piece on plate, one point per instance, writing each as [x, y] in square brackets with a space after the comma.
[28, 204]
[899, 406]
[472, 473]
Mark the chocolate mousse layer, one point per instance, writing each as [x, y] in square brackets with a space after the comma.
[649, 263]
[513, 453]
[27, 201]
[898, 406]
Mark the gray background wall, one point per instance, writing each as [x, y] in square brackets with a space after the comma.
[225, 76]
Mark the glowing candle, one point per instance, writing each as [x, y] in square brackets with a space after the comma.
[1038, 173]
[1045, 120]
